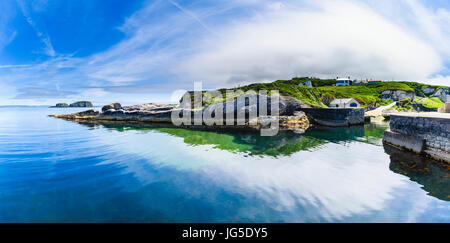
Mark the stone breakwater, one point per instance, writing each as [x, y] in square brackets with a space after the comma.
[422, 133]
[335, 117]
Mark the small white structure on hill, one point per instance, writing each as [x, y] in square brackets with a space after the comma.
[307, 84]
[345, 103]
[343, 81]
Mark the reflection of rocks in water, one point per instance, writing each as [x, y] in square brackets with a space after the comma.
[432, 175]
[369, 133]
[337, 134]
[283, 144]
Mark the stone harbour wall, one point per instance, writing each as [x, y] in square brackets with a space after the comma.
[336, 116]
[421, 133]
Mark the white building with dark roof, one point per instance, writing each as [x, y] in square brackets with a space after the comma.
[343, 81]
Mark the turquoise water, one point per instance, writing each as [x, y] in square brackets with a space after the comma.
[53, 170]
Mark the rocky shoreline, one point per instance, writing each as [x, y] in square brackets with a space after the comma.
[289, 118]
[252, 115]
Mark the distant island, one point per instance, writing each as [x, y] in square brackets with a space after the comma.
[74, 105]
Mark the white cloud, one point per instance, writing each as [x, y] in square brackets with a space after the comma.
[302, 187]
[170, 45]
[438, 80]
[279, 40]
[15, 66]
[191, 14]
[148, 51]
[93, 93]
[335, 39]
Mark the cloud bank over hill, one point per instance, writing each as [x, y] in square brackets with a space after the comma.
[327, 39]
[166, 45]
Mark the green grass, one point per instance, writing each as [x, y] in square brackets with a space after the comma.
[324, 91]
[433, 102]
[365, 94]
[311, 96]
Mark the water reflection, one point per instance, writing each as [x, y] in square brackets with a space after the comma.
[342, 179]
[432, 175]
[336, 182]
[285, 143]
[370, 133]
[58, 171]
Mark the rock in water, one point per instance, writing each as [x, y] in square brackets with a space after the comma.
[113, 106]
[81, 104]
[62, 105]
[107, 108]
[117, 106]
[88, 113]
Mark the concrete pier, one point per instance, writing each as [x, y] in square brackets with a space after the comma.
[423, 133]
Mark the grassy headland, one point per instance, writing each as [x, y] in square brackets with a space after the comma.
[324, 91]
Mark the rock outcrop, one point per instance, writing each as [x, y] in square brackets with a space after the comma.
[62, 105]
[289, 118]
[286, 105]
[113, 106]
[429, 90]
[88, 113]
[443, 94]
[82, 104]
[397, 95]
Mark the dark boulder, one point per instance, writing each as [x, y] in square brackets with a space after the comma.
[107, 107]
[88, 113]
[113, 106]
[117, 106]
[113, 112]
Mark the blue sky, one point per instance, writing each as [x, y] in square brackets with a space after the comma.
[138, 51]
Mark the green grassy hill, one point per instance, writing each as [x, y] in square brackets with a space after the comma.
[324, 91]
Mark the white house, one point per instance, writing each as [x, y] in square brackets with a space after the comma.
[343, 81]
[345, 103]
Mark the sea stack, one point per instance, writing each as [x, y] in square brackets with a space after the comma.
[82, 104]
[62, 105]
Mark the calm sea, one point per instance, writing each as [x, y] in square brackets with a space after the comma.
[53, 170]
